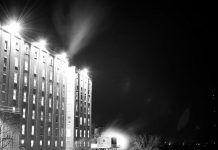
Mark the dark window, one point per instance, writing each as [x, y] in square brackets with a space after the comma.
[3, 96]
[4, 78]
[3, 87]
[6, 45]
[56, 119]
[5, 63]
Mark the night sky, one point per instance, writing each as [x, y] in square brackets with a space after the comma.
[152, 63]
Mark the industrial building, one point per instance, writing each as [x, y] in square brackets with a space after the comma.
[44, 103]
[32, 91]
[78, 119]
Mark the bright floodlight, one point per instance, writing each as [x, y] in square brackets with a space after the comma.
[123, 139]
[42, 43]
[14, 27]
[63, 56]
[84, 72]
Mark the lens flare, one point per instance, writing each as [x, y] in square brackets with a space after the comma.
[13, 26]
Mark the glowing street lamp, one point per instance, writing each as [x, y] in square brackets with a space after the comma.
[40, 44]
[13, 27]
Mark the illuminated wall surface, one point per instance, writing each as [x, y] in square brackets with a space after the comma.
[32, 91]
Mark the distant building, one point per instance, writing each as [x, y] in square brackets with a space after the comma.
[78, 116]
[32, 90]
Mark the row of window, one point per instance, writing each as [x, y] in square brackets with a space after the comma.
[27, 49]
[88, 108]
[81, 143]
[33, 130]
[40, 143]
[84, 119]
[80, 133]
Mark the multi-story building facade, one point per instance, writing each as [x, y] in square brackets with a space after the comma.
[79, 112]
[33, 86]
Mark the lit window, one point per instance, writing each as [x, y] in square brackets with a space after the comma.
[88, 122]
[32, 131]
[49, 102]
[35, 71]
[81, 120]
[23, 129]
[56, 143]
[24, 112]
[25, 80]
[57, 91]
[48, 142]
[42, 115]
[13, 109]
[6, 45]
[76, 106]
[43, 86]
[49, 131]
[88, 109]
[33, 114]
[62, 105]
[62, 143]
[43, 73]
[58, 78]
[34, 99]
[76, 132]
[32, 143]
[50, 88]
[16, 62]
[22, 141]
[84, 133]
[63, 81]
[40, 142]
[15, 77]
[49, 117]
[76, 95]
[24, 97]
[80, 133]
[84, 143]
[50, 75]
[42, 101]
[88, 133]
[14, 94]
[26, 66]
[34, 83]
[84, 120]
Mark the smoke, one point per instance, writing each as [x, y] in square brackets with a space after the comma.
[77, 23]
